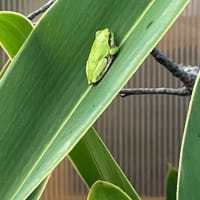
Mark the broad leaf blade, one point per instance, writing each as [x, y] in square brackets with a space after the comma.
[171, 183]
[163, 13]
[45, 94]
[106, 191]
[91, 154]
[66, 98]
[14, 29]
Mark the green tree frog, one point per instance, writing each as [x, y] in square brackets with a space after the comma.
[101, 55]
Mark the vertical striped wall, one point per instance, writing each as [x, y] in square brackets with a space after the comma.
[143, 132]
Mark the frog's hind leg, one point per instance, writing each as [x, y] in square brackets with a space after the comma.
[101, 69]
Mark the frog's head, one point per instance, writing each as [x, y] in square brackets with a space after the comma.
[104, 32]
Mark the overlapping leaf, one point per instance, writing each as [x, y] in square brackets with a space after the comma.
[14, 29]
[90, 154]
[102, 190]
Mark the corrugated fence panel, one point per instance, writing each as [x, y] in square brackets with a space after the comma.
[143, 132]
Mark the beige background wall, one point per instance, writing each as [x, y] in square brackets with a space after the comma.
[143, 132]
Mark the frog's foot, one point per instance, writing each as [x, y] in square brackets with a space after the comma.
[114, 51]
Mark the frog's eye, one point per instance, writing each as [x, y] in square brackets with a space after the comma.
[98, 32]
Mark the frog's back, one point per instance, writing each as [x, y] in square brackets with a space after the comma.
[100, 48]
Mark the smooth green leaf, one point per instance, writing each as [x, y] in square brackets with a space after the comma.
[46, 104]
[37, 193]
[171, 183]
[91, 154]
[106, 191]
[14, 29]
[189, 166]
